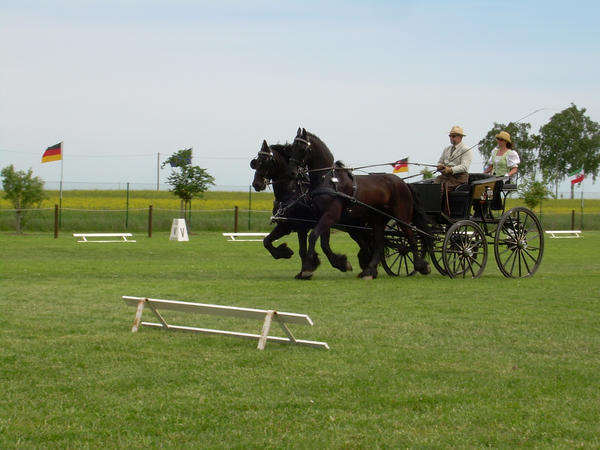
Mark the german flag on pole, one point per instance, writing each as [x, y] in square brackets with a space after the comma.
[401, 165]
[53, 153]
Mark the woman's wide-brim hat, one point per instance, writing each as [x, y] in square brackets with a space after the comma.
[457, 130]
[504, 136]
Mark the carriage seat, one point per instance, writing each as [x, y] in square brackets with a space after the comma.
[510, 184]
[459, 200]
[478, 179]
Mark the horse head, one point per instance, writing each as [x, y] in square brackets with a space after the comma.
[271, 165]
[299, 152]
[263, 166]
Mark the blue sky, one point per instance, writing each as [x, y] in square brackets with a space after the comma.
[121, 81]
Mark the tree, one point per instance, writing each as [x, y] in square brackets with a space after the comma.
[533, 192]
[427, 174]
[524, 143]
[23, 190]
[569, 141]
[187, 181]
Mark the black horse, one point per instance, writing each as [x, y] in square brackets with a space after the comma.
[372, 199]
[291, 209]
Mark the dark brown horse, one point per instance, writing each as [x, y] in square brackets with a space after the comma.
[371, 199]
[291, 210]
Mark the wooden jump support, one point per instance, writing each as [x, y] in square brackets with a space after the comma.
[564, 233]
[233, 237]
[93, 237]
[266, 316]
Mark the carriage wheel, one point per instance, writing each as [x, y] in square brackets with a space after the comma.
[398, 260]
[465, 250]
[519, 243]
[436, 254]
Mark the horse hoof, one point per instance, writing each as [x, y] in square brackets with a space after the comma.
[348, 266]
[282, 252]
[305, 275]
[425, 270]
[300, 277]
[367, 277]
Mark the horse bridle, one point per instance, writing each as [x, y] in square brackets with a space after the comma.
[307, 149]
[270, 157]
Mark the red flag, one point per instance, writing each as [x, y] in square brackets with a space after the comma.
[577, 176]
[53, 153]
[401, 165]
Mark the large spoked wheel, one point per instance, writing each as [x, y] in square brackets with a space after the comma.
[398, 260]
[519, 243]
[465, 250]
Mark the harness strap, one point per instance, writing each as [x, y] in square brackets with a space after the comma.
[324, 191]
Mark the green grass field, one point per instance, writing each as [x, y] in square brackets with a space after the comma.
[419, 362]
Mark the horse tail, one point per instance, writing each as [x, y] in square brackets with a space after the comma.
[422, 220]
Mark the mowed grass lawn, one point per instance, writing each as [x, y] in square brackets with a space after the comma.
[419, 362]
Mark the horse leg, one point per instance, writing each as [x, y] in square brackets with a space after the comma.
[364, 244]
[322, 228]
[337, 260]
[302, 234]
[330, 216]
[311, 262]
[281, 251]
[420, 263]
[370, 271]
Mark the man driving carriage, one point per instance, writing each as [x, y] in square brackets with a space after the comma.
[455, 161]
[453, 164]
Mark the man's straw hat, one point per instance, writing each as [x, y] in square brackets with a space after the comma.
[504, 136]
[457, 130]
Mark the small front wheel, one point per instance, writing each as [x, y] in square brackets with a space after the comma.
[435, 253]
[465, 250]
[398, 259]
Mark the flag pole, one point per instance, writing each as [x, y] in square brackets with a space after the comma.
[60, 195]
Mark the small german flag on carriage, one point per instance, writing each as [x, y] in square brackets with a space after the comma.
[401, 165]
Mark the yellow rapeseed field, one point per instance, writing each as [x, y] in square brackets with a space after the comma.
[117, 200]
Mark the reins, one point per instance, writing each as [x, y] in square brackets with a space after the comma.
[322, 169]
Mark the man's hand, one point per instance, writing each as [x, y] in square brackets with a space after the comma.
[447, 171]
[440, 167]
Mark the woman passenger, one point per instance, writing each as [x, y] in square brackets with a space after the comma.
[504, 161]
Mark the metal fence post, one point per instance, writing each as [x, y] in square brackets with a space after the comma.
[55, 221]
[127, 207]
[235, 219]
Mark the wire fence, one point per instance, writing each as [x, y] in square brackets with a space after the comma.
[132, 220]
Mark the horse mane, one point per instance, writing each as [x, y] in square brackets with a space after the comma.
[316, 139]
[282, 149]
[339, 164]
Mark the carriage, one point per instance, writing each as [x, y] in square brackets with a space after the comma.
[391, 220]
[469, 220]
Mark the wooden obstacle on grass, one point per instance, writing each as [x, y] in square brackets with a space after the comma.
[93, 237]
[247, 237]
[266, 316]
[564, 233]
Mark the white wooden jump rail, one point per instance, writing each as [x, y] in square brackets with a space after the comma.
[564, 233]
[267, 316]
[233, 236]
[84, 237]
